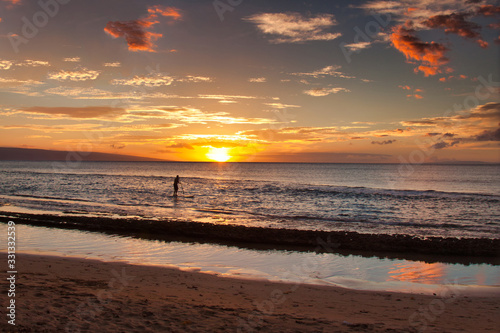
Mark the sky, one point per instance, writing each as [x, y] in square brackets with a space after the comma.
[412, 81]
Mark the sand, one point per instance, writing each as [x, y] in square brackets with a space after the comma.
[56, 294]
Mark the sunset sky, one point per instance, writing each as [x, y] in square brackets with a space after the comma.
[239, 80]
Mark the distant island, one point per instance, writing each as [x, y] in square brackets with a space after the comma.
[30, 154]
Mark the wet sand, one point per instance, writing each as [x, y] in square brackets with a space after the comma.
[55, 294]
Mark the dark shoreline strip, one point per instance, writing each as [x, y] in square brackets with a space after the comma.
[308, 240]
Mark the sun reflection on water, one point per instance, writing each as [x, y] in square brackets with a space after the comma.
[420, 272]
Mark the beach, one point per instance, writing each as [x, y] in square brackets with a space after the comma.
[101, 247]
[249, 166]
[58, 294]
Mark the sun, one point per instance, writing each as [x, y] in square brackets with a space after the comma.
[218, 154]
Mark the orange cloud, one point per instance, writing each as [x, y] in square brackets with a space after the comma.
[489, 10]
[138, 39]
[78, 112]
[456, 23]
[432, 55]
[415, 92]
[165, 11]
[12, 2]
[135, 31]
[458, 77]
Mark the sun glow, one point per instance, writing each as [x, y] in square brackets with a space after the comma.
[218, 154]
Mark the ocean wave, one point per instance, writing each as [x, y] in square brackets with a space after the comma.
[327, 190]
[269, 187]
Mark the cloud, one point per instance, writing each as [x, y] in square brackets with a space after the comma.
[423, 123]
[416, 92]
[456, 77]
[431, 55]
[95, 93]
[332, 70]
[488, 111]
[440, 145]
[81, 93]
[444, 144]
[5, 64]
[319, 92]
[181, 146]
[485, 114]
[476, 125]
[16, 82]
[456, 23]
[193, 115]
[294, 27]
[257, 79]
[225, 97]
[385, 142]
[418, 10]
[325, 157]
[154, 80]
[358, 46]
[413, 16]
[164, 11]
[32, 63]
[293, 134]
[78, 112]
[213, 140]
[117, 146]
[191, 78]
[11, 3]
[82, 74]
[489, 135]
[281, 105]
[158, 80]
[489, 10]
[74, 59]
[136, 32]
[112, 64]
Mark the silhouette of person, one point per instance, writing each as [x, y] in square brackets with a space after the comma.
[176, 185]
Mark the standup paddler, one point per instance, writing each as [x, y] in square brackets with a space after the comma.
[176, 185]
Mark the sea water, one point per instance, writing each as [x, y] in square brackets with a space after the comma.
[333, 269]
[424, 200]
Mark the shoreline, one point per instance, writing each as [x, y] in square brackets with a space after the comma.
[59, 293]
[473, 250]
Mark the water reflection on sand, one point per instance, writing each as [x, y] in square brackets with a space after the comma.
[351, 271]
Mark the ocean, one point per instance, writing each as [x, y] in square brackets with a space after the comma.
[424, 200]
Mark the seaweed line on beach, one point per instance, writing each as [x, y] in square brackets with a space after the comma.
[270, 238]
